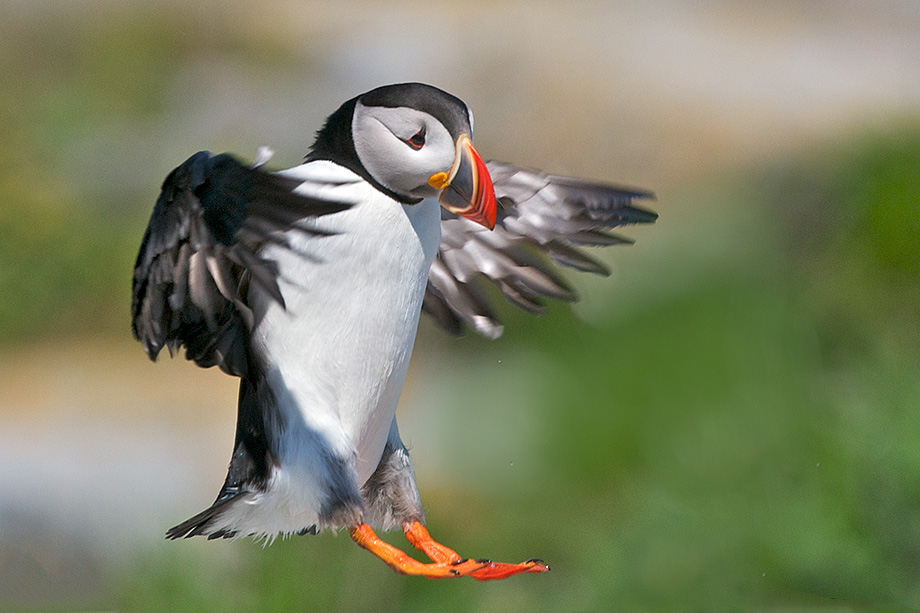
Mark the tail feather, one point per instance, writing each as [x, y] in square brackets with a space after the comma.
[202, 523]
[249, 468]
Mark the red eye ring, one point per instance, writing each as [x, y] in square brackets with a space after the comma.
[418, 140]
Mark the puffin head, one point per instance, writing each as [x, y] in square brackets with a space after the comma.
[412, 141]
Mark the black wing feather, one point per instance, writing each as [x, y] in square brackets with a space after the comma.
[542, 219]
[201, 250]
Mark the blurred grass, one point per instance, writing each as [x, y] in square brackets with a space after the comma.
[66, 239]
[746, 442]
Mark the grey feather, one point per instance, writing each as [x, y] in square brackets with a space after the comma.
[201, 251]
[541, 219]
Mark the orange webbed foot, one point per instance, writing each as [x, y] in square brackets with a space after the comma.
[499, 570]
[445, 562]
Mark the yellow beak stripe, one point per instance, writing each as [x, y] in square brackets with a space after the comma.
[439, 180]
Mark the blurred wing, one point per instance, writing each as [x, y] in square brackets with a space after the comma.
[541, 219]
[200, 254]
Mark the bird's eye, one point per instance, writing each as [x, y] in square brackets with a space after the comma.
[417, 141]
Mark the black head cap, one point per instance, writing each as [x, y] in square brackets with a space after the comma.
[449, 110]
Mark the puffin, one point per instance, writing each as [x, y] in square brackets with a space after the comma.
[307, 284]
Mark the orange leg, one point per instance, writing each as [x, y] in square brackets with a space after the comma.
[446, 562]
[418, 537]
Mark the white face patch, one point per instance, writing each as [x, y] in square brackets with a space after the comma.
[382, 138]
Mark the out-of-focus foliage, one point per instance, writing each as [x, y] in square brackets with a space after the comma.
[747, 441]
[69, 83]
[852, 228]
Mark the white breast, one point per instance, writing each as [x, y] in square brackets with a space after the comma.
[342, 345]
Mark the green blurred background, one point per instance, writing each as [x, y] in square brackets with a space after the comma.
[729, 422]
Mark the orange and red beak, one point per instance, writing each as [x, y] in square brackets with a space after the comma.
[466, 189]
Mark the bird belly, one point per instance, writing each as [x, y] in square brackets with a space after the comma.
[336, 355]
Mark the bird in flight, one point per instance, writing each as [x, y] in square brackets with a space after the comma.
[308, 285]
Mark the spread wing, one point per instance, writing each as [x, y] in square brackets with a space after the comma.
[542, 219]
[200, 255]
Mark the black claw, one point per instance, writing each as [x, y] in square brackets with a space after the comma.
[536, 561]
[456, 562]
[483, 561]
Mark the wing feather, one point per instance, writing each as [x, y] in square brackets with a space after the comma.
[201, 251]
[542, 220]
